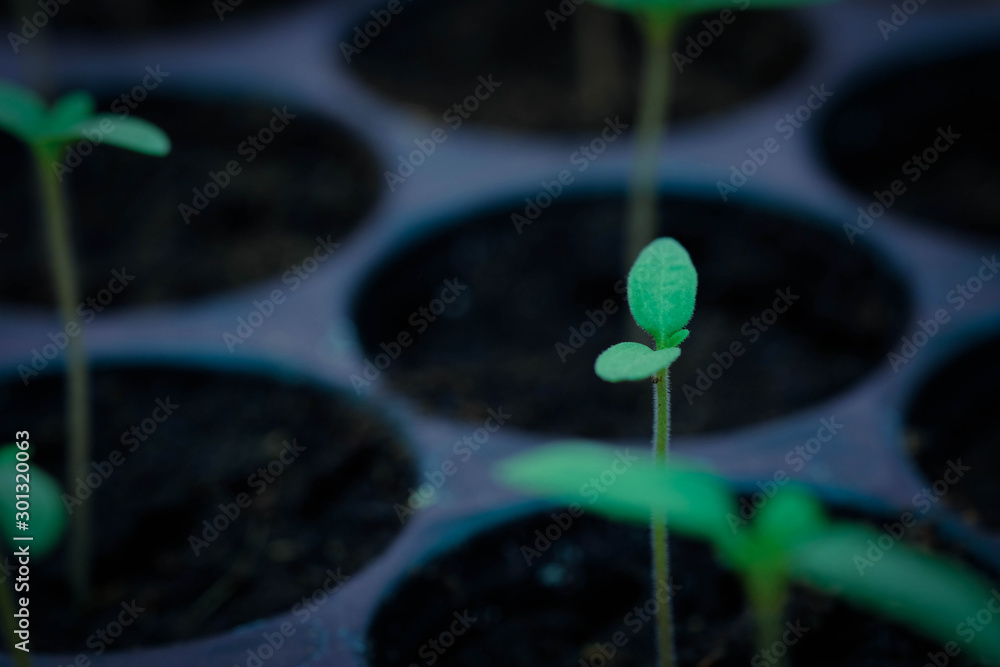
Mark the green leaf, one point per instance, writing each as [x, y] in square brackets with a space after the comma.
[624, 486]
[68, 110]
[633, 361]
[692, 6]
[661, 289]
[928, 593]
[21, 111]
[46, 514]
[133, 134]
[790, 518]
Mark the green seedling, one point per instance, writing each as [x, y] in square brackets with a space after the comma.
[790, 540]
[48, 130]
[45, 518]
[658, 21]
[661, 292]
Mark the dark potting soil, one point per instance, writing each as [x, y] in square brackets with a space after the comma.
[566, 605]
[131, 16]
[312, 182]
[531, 316]
[952, 432]
[314, 517]
[564, 75]
[873, 133]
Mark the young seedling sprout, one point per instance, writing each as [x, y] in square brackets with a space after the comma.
[661, 293]
[790, 540]
[48, 131]
[657, 21]
[47, 520]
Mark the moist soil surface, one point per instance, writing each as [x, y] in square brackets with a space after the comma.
[313, 519]
[532, 314]
[308, 187]
[952, 431]
[592, 581]
[873, 133]
[564, 75]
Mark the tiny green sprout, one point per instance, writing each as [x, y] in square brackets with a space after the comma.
[657, 21]
[790, 540]
[43, 522]
[662, 286]
[48, 130]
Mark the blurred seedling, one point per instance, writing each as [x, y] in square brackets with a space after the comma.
[48, 131]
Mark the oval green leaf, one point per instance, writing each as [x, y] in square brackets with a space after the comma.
[661, 289]
[931, 594]
[130, 133]
[68, 110]
[21, 111]
[633, 361]
[695, 502]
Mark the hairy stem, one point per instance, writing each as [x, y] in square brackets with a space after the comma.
[661, 559]
[64, 273]
[651, 125]
[20, 658]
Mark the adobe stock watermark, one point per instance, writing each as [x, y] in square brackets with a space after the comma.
[796, 459]
[595, 319]
[695, 45]
[959, 297]
[272, 641]
[966, 630]
[786, 126]
[264, 309]
[131, 438]
[86, 311]
[249, 149]
[103, 638]
[432, 650]
[602, 654]
[915, 168]
[924, 500]
[363, 35]
[463, 450]
[581, 159]
[901, 13]
[230, 512]
[454, 116]
[420, 320]
[752, 330]
[123, 106]
[773, 654]
[591, 490]
[31, 25]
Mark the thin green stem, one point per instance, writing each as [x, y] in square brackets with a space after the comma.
[64, 272]
[20, 658]
[661, 559]
[651, 125]
[767, 591]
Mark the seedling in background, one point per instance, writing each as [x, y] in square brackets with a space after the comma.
[46, 520]
[790, 540]
[48, 131]
[657, 21]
